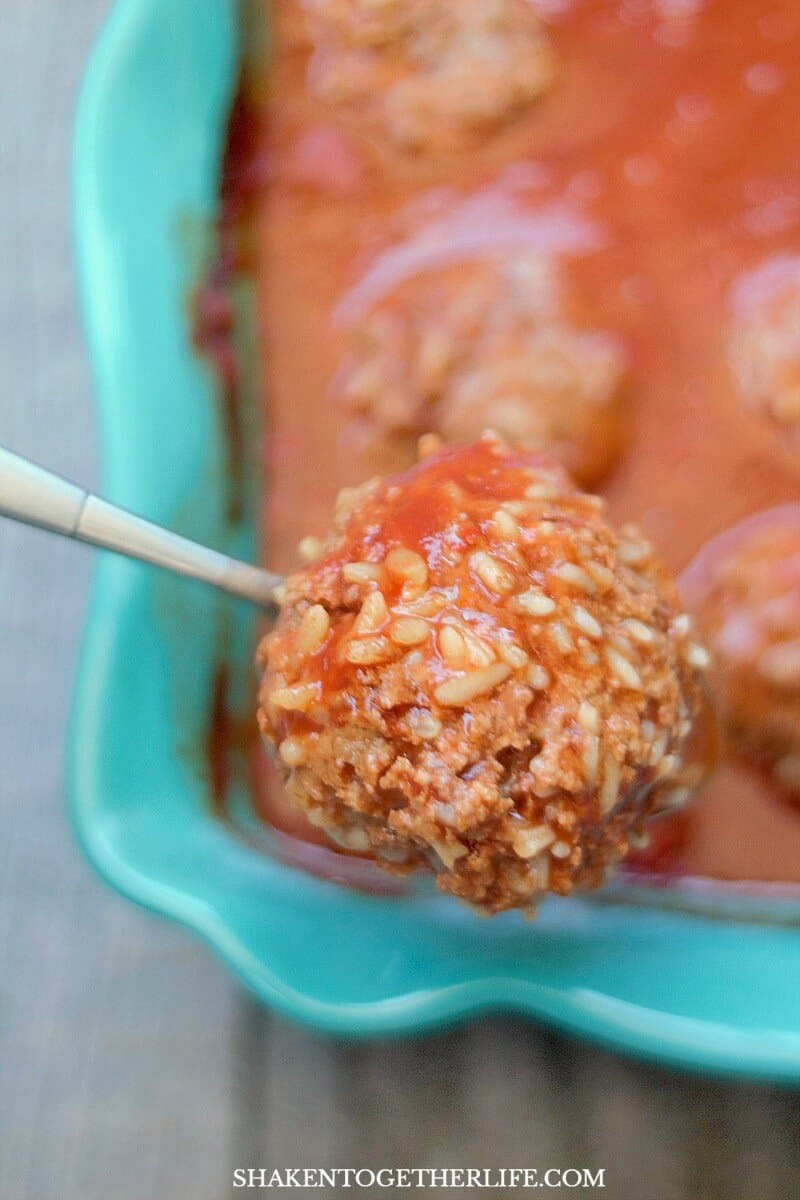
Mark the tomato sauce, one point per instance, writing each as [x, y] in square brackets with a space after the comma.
[660, 171]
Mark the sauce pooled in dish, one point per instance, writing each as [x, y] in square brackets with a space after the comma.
[594, 249]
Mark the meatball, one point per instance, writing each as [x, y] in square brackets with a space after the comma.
[480, 343]
[430, 74]
[555, 388]
[744, 588]
[764, 338]
[478, 675]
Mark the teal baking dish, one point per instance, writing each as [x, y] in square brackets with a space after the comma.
[686, 990]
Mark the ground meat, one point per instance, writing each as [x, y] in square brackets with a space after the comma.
[745, 591]
[431, 74]
[482, 343]
[477, 674]
[764, 338]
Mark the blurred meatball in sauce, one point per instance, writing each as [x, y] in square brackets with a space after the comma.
[432, 76]
[745, 590]
[481, 343]
[764, 338]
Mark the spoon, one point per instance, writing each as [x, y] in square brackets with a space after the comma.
[34, 496]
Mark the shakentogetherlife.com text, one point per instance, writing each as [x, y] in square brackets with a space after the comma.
[493, 1179]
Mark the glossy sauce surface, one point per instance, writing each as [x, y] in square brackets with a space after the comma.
[659, 172]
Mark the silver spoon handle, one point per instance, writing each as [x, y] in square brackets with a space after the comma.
[37, 497]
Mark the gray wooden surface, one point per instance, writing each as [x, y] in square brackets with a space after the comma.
[131, 1065]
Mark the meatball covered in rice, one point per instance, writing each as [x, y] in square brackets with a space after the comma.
[484, 342]
[744, 589]
[479, 675]
[763, 344]
[433, 75]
